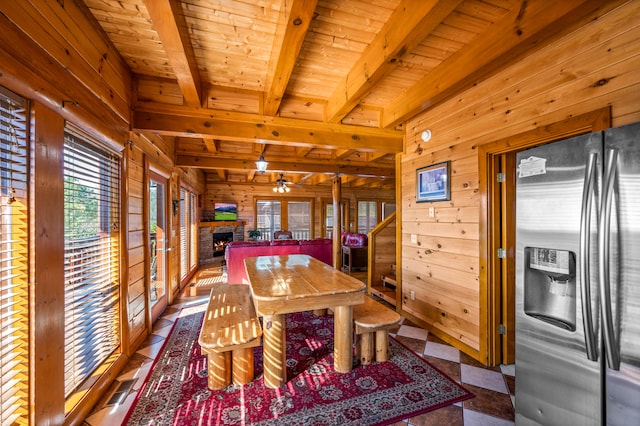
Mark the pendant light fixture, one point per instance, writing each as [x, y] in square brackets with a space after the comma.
[261, 164]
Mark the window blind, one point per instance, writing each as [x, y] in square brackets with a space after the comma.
[299, 219]
[14, 302]
[193, 247]
[184, 234]
[92, 288]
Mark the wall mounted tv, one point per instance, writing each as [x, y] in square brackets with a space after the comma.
[225, 211]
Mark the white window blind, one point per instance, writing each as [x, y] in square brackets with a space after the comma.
[92, 287]
[14, 302]
[184, 235]
[193, 247]
[299, 219]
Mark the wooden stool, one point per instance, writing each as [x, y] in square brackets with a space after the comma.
[369, 318]
[230, 331]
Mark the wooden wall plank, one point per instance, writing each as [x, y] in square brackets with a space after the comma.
[81, 49]
[47, 358]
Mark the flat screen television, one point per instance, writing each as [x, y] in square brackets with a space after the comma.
[225, 211]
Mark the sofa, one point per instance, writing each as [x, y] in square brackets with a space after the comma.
[355, 251]
[237, 251]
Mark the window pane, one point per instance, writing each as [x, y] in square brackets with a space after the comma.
[157, 237]
[328, 221]
[366, 216]
[299, 219]
[92, 288]
[268, 216]
[14, 315]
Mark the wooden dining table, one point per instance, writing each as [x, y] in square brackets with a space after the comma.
[296, 283]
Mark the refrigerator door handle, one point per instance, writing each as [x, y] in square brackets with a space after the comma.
[611, 347]
[584, 253]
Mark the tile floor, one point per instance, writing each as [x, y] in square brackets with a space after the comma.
[494, 388]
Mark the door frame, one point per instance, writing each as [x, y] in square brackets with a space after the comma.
[497, 226]
[157, 176]
[344, 212]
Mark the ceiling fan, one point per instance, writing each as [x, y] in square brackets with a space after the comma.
[281, 185]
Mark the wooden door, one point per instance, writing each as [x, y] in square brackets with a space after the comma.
[157, 244]
[501, 189]
[507, 275]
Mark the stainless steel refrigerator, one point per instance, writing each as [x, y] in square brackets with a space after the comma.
[578, 281]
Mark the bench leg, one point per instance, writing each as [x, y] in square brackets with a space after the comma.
[242, 366]
[219, 369]
[382, 345]
[366, 348]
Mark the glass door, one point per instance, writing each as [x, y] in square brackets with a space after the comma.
[158, 234]
[327, 220]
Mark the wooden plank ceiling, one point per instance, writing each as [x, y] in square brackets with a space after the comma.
[319, 87]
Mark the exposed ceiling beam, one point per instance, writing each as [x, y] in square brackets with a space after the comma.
[168, 20]
[519, 32]
[303, 151]
[357, 182]
[212, 145]
[373, 156]
[345, 179]
[343, 153]
[409, 24]
[259, 148]
[282, 166]
[200, 123]
[290, 33]
[191, 151]
[322, 178]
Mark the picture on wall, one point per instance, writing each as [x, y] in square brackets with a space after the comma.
[432, 183]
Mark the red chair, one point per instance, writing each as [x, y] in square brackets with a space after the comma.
[282, 235]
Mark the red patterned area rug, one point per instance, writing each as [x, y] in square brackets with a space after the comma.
[176, 393]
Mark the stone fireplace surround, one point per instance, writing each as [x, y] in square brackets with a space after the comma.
[206, 256]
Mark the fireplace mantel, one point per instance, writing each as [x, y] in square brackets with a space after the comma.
[214, 225]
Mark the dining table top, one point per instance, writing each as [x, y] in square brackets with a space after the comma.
[301, 281]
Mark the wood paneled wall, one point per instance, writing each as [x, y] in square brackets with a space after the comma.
[137, 299]
[593, 67]
[244, 194]
[43, 58]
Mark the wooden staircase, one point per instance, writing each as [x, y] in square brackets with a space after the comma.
[382, 261]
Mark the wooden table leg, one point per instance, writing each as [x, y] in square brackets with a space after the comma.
[343, 338]
[274, 351]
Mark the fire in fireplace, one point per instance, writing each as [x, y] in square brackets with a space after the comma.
[220, 241]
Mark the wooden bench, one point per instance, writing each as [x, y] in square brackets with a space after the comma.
[230, 331]
[369, 318]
